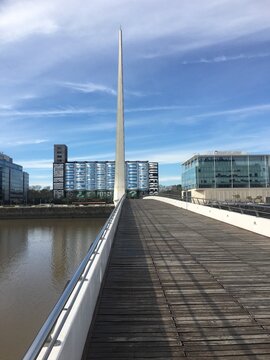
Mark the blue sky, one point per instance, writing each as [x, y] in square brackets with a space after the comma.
[196, 78]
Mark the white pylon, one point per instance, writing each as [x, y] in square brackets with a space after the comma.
[120, 173]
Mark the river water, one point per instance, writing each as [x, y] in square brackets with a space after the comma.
[37, 258]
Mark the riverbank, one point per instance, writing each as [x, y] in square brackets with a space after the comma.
[56, 211]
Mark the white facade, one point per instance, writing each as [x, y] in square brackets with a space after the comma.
[235, 194]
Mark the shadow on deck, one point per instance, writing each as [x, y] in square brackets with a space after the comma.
[180, 285]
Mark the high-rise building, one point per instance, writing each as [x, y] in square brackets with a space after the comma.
[60, 158]
[14, 182]
[60, 154]
[85, 177]
[227, 176]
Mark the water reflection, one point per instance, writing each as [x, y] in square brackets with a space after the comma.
[37, 258]
[13, 242]
[69, 243]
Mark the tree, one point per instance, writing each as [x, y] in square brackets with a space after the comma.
[236, 197]
[44, 195]
[258, 199]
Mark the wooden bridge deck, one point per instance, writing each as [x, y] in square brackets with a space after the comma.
[180, 285]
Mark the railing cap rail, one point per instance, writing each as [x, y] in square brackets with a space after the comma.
[47, 327]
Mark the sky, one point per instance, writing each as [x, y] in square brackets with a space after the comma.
[196, 79]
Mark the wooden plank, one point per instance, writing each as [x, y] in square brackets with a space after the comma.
[180, 285]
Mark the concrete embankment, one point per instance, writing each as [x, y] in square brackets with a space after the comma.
[54, 212]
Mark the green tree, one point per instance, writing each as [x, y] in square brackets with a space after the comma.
[44, 195]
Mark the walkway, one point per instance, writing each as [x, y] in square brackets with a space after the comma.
[181, 285]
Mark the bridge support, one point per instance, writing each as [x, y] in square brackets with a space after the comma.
[119, 180]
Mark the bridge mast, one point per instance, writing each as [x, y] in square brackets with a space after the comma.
[119, 179]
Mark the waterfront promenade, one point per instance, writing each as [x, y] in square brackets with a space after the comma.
[181, 285]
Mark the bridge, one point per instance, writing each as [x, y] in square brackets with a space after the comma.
[163, 282]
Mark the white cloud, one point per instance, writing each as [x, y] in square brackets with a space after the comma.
[36, 164]
[9, 101]
[157, 108]
[27, 96]
[89, 87]
[202, 24]
[54, 112]
[55, 34]
[48, 163]
[249, 110]
[82, 110]
[165, 155]
[192, 23]
[22, 19]
[249, 141]
[26, 142]
[6, 107]
[197, 117]
[223, 58]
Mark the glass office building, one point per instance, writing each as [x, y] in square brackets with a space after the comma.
[233, 171]
[226, 171]
[14, 182]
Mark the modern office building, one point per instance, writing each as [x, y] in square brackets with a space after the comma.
[25, 186]
[14, 182]
[96, 178]
[227, 176]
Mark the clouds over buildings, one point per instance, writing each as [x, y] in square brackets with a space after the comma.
[58, 77]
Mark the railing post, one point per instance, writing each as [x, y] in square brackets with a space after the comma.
[70, 289]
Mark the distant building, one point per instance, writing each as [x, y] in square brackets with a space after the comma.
[227, 176]
[93, 178]
[60, 154]
[25, 186]
[14, 182]
[60, 159]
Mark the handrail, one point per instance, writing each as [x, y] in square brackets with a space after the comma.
[248, 208]
[243, 207]
[48, 326]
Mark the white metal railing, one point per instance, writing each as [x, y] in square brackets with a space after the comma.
[47, 337]
[259, 225]
[246, 207]
[243, 207]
